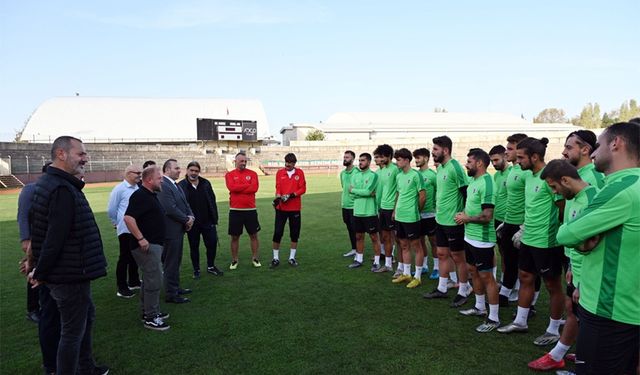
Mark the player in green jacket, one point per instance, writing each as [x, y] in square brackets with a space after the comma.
[347, 199]
[608, 232]
[365, 211]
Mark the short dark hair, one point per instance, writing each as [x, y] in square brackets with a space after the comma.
[384, 150]
[403, 153]
[240, 153]
[166, 164]
[480, 154]
[516, 138]
[353, 154]
[630, 132]
[194, 164]
[444, 142]
[421, 152]
[63, 142]
[148, 163]
[534, 146]
[366, 155]
[290, 158]
[558, 168]
[584, 137]
[497, 149]
[635, 120]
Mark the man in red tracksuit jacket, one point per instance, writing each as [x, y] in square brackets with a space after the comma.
[290, 185]
[243, 185]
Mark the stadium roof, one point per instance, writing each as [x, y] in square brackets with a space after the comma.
[95, 119]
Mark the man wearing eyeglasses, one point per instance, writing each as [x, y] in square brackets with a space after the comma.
[117, 206]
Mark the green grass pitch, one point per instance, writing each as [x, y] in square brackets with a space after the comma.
[319, 318]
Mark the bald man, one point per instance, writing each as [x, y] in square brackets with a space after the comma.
[117, 206]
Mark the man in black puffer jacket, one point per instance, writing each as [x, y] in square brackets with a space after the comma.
[66, 242]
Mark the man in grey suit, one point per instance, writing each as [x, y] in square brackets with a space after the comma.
[178, 219]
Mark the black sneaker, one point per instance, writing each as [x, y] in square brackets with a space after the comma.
[125, 293]
[214, 271]
[503, 301]
[196, 274]
[435, 294]
[293, 262]
[160, 315]
[459, 300]
[355, 264]
[156, 324]
[33, 316]
[135, 286]
[274, 263]
[100, 370]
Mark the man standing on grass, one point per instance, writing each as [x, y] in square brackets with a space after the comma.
[539, 252]
[290, 185]
[428, 213]
[66, 241]
[347, 199]
[480, 238]
[243, 185]
[410, 201]
[117, 206]
[451, 193]
[202, 201]
[607, 233]
[365, 212]
[563, 178]
[499, 161]
[386, 200]
[144, 219]
[178, 220]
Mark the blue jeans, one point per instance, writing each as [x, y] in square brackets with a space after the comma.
[48, 329]
[77, 314]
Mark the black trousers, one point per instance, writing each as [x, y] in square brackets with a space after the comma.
[126, 263]
[209, 235]
[32, 298]
[510, 257]
[606, 346]
[347, 214]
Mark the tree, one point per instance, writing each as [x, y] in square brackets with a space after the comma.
[589, 117]
[629, 110]
[608, 120]
[315, 135]
[439, 110]
[551, 116]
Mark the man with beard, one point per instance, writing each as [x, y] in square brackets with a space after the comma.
[145, 220]
[66, 242]
[178, 220]
[386, 200]
[540, 253]
[365, 212]
[563, 178]
[513, 219]
[480, 238]
[499, 161]
[202, 201]
[428, 214]
[346, 201]
[607, 232]
[409, 203]
[577, 150]
[451, 193]
[290, 186]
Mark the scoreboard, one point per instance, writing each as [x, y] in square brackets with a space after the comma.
[226, 130]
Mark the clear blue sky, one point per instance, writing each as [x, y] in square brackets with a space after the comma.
[309, 59]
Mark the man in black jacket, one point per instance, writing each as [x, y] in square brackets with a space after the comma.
[66, 241]
[202, 201]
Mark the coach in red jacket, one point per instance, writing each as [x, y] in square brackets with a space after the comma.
[243, 185]
[290, 185]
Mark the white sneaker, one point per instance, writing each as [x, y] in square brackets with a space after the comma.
[349, 253]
